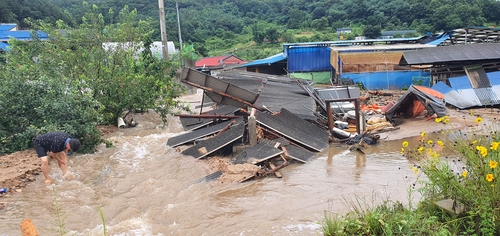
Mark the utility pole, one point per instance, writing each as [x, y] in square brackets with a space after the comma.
[178, 24]
[163, 30]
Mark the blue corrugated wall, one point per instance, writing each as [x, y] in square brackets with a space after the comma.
[309, 59]
[387, 80]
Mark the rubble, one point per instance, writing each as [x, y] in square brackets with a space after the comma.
[271, 136]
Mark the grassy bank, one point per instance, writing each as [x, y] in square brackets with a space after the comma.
[459, 193]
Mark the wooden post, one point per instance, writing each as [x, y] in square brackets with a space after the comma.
[330, 116]
[252, 130]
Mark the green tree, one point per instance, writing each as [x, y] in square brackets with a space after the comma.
[372, 31]
[320, 24]
[72, 83]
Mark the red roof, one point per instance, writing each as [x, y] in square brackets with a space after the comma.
[219, 61]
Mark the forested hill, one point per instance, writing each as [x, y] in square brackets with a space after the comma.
[16, 11]
[214, 25]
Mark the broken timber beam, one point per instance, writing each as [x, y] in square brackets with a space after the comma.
[277, 173]
[207, 116]
[222, 94]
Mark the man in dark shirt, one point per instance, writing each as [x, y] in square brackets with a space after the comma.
[57, 144]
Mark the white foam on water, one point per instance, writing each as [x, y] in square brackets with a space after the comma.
[131, 155]
[302, 227]
[129, 227]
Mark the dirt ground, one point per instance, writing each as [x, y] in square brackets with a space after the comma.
[20, 168]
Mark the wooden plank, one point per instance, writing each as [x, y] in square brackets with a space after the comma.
[277, 173]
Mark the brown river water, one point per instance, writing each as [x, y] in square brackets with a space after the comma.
[146, 188]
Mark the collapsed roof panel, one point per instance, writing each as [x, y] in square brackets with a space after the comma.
[276, 92]
[195, 123]
[256, 154]
[219, 91]
[211, 145]
[462, 95]
[197, 134]
[295, 128]
[452, 97]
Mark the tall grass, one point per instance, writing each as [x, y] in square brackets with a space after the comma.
[59, 224]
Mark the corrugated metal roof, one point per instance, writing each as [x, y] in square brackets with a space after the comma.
[494, 78]
[476, 34]
[20, 35]
[210, 61]
[208, 83]
[461, 82]
[365, 41]
[266, 61]
[394, 32]
[454, 98]
[309, 59]
[442, 38]
[380, 47]
[6, 27]
[442, 87]
[454, 53]
[486, 96]
[469, 95]
[462, 95]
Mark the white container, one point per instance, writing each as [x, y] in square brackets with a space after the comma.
[121, 123]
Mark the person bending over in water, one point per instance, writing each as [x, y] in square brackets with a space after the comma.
[57, 144]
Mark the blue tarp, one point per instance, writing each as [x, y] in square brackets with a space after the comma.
[386, 80]
[309, 59]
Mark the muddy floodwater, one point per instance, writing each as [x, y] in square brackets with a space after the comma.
[146, 188]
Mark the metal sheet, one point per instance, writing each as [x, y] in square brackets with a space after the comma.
[216, 84]
[196, 123]
[197, 134]
[454, 98]
[469, 95]
[296, 129]
[486, 96]
[256, 154]
[276, 92]
[442, 87]
[460, 83]
[211, 145]
[266, 61]
[494, 77]
[309, 59]
[454, 53]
